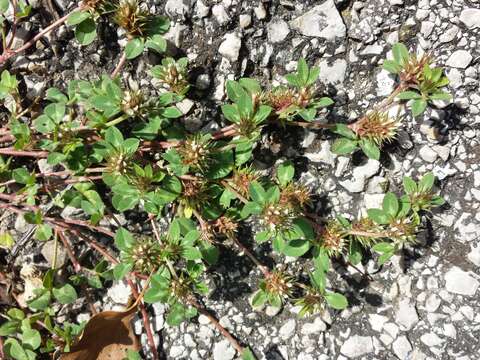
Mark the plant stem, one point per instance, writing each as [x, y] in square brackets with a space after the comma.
[120, 64]
[7, 54]
[146, 321]
[368, 234]
[13, 152]
[247, 252]
[118, 120]
[237, 194]
[76, 266]
[192, 301]
[312, 125]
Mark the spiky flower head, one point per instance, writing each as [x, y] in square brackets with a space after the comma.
[377, 126]
[310, 303]
[131, 17]
[333, 238]
[144, 255]
[366, 225]
[173, 74]
[132, 101]
[194, 193]
[181, 287]
[225, 226]
[242, 178]
[412, 71]
[278, 283]
[277, 217]
[402, 231]
[118, 163]
[280, 99]
[295, 196]
[94, 5]
[195, 152]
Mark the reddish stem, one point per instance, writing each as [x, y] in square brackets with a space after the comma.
[7, 54]
[146, 321]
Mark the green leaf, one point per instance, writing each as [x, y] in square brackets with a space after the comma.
[251, 85]
[263, 236]
[245, 106]
[6, 241]
[390, 204]
[31, 339]
[53, 94]
[259, 299]
[370, 148]
[15, 350]
[123, 239]
[262, 113]
[302, 72]
[77, 17]
[400, 53]
[257, 193]
[86, 31]
[157, 43]
[355, 252]
[391, 66]
[43, 232]
[344, 146]
[65, 295]
[41, 300]
[231, 113]
[114, 137]
[383, 247]
[134, 48]
[379, 216]
[247, 354]
[426, 183]
[336, 300]
[296, 248]
[409, 185]
[440, 95]
[22, 176]
[318, 279]
[4, 6]
[407, 95]
[418, 106]
[121, 269]
[171, 112]
[437, 201]
[234, 90]
[382, 259]
[345, 131]
[285, 172]
[133, 355]
[243, 152]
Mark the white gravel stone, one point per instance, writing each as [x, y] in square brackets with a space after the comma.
[460, 282]
[288, 329]
[356, 346]
[377, 321]
[428, 154]
[459, 59]
[277, 31]
[432, 303]
[431, 339]
[315, 327]
[474, 255]
[223, 351]
[471, 18]
[360, 175]
[230, 47]
[385, 83]
[406, 314]
[220, 14]
[322, 21]
[402, 348]
[119, 292]
[245, 20]
[333, 73]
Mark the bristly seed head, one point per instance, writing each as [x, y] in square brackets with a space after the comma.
[377, 126]
[130, 17]
[145, 255]
[195, 152]
[279, 283]
[242, 178]
[333, 238]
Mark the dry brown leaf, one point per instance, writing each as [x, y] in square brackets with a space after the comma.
[107, 335]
